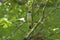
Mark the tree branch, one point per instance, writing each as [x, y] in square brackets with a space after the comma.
[14, 32]
[39, 22]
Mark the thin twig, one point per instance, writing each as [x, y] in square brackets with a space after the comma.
[14, 32]
[44, 20]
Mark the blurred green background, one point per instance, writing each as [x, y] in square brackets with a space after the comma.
[14, 12]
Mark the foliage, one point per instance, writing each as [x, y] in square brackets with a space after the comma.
[43, 24]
